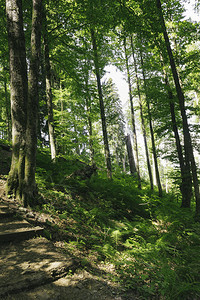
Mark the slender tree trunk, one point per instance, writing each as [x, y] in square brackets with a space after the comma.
[124, 161]
[154, 152]
[101, 102]
[130, 156]
[151, 131]
[88, 108]
[187, 138]
[186, 184]
[61, 146]
[142, 118]
[49, 95]
[30, 189]
[132, 115]
[88, 105]
[186, 179]
[19, 94]
[42, 94]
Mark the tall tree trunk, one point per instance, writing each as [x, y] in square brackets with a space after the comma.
[88, 104]
[130, 156]
[132, 115]
[101, 102]
[90, 134]
[88, 107]
[49, 96]
[61, 147]
[142, 118]
[187, 138]
[151, 130]
[30, 188]
[19, 94]
[42, 94]
[186, 179]
[124, 161]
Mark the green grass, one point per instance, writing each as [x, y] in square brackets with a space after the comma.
[152, 244]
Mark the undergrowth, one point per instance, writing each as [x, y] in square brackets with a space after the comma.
[151, 243]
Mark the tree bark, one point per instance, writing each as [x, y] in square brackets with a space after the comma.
[30, 188]
[101, 102]
[49, 96]
[142, 118]
[19, 94]
[132, 115]
[186, 132]
[130, 156]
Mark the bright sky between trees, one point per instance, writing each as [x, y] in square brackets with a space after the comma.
[119, 78]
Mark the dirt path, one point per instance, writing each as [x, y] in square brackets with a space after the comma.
[27, 270]
[80, 286]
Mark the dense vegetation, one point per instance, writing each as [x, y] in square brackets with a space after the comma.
[147, 245]
[121, 181]
[60, 99]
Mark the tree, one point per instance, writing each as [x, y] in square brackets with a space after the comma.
[187, 138]
[30, 188]
[19, 95]
[131, 160]
[132, 114]
[115, 123]
[49, 95]
[24, 102]
[101, 103]
[186, 180]
[142, 116]
[151, 128]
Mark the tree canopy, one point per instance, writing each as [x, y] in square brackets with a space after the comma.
[80, 113]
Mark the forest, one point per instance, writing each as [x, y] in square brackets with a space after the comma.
[121, 175]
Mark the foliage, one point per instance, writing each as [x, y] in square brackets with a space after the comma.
[152, 244]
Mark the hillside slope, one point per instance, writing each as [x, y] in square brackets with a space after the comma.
[141, 246]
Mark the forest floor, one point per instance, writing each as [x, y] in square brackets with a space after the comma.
[119, 242]
[84, 283]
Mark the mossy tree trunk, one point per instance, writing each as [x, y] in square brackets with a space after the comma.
[30, 188]
[24, 101]
[19, 95]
